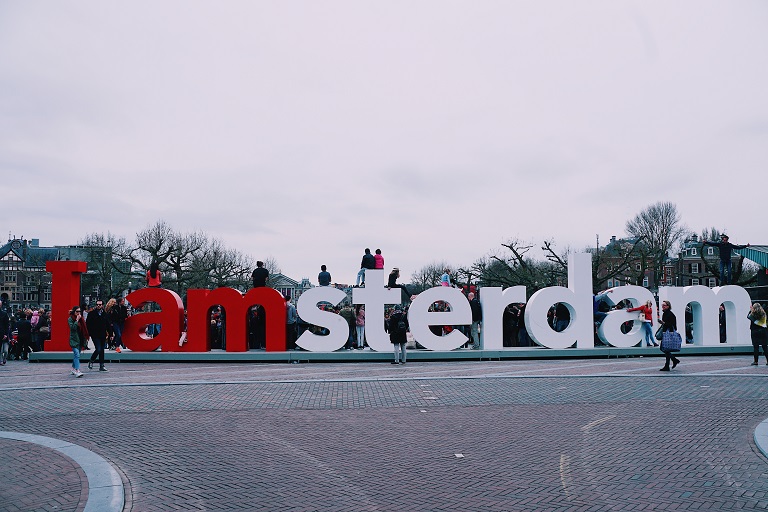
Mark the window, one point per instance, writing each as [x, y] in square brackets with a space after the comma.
[637, 267]
[10, 277]
[669, 281]
[693, 251]
[712, 282]
[694, 268]
[710, 251]
[610, 283]
[645, 282]
[694, 282]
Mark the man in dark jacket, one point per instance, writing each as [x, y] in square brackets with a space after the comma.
[725, 248]
[260, 275]
[24, 340]
[369, 262]
[5, 334]
[477, 317]
[98, 329]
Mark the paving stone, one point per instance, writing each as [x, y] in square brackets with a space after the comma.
[587, 435]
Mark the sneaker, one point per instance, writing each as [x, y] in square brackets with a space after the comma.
[90, 365]
[78, 373]
[103, 369]
[395, 362]
[118, 350]
[73, 371]
[665, 369]
[755, 364]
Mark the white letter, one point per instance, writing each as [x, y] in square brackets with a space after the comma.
[494, 302]
[610, 329]
[374, 296]
[705, 306]
[419, 318]
[577, 298]
[308, 311]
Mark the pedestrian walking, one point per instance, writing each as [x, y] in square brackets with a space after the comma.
[671, 341]
[758, 330]
[74, 340]
[98, 328]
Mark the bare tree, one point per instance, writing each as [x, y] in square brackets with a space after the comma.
[427, 276]
[186, 260]
[660, 227]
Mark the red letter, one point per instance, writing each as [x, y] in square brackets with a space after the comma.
[199, 303]
[65, 293]
[170, 317]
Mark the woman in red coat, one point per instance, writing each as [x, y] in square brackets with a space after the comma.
[647, 311]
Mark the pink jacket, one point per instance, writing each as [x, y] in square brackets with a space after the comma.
[379, 261]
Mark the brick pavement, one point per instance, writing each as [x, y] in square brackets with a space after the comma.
[532, 435]
[38, 478]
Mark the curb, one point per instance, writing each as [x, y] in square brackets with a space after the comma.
[761, 437]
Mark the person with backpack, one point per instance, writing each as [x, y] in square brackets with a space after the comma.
[397, 328]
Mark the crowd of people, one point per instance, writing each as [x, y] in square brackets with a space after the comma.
[103, 324]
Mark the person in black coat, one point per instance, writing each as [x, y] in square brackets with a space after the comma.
[98, 328]
[758, 331]
[397, 326]
[668, 324]
[24, 341]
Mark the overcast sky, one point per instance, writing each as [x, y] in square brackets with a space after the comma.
[434, 130]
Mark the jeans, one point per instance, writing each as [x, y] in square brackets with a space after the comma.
[473, 332]
[4, 350]
[98, 351]
[118, 339]
[76, 358]
[399, 349]
[648, 333]
[360, 335]
[360, 277]
[561, 325]
[725, 272]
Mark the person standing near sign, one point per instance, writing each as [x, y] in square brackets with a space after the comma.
[758, 329]
[74, 340]
[397, 328]
[646, 311]
[669, 324]
[5, 334]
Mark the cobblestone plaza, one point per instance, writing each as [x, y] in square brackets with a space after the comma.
[505, 435]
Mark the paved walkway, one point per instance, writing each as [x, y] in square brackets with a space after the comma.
[510, 435]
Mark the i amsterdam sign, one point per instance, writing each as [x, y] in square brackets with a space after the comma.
[577, 296]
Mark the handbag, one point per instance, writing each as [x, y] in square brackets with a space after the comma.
[659, 333]
[671, 341]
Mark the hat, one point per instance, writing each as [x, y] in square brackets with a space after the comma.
[723, 235]
[395, 269]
